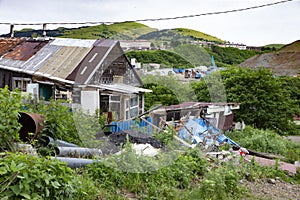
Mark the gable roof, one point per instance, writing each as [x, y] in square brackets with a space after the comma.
[62, 59]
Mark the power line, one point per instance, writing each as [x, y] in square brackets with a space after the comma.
[155, 19]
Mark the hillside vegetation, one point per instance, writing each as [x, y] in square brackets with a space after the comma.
[229, 56]
[165, 58]
[197, 35]
[122, 30]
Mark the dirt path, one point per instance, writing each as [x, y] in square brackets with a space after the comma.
[274, 189]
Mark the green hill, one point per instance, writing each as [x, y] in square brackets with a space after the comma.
[180, 35]
[120, 31]
[123, 30]
[194, 54]
[197, 35]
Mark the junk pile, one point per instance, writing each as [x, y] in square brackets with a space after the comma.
[193, 131]
[116, 141]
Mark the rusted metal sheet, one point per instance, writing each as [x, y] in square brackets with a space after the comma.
[6, 44]
[26, 50]
[31, 123]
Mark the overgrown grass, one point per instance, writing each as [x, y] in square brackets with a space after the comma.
[267, 141]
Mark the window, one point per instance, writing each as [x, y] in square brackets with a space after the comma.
[21, 83]
[134, 106]
[115, 105]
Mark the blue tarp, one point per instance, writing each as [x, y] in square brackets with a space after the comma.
[203, 132]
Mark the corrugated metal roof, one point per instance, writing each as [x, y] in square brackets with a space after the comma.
[25, 50]
[69, 42]
[64, 61]
[122, 88]
[7, 44]
[90, 63]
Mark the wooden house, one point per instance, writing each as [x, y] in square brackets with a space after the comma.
[92, 74]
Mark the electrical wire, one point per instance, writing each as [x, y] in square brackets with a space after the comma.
[154, 19]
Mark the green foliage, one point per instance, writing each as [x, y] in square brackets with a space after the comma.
[267, 141]
[195, 54]
[264, 101]
[228, 56]
[123, 30]
[221, 183]
[123, 171]
[167, 58]
[9, 126]
[30, 177]
[58, 120]
[160, 95]
[183, 92]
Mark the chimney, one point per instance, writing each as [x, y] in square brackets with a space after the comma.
[11, 31]
[44, 30]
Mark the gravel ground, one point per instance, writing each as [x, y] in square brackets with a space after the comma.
[274, 189]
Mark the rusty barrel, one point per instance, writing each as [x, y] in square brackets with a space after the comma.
[32, 123]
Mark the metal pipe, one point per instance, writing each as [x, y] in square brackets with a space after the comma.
[46, 140]
[77, 152]
[75, 162]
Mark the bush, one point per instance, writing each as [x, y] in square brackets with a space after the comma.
[267, 141]
[58, 119]
[9, 125]
[29, 177]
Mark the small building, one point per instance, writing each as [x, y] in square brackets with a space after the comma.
[135, 44]
[91, 74]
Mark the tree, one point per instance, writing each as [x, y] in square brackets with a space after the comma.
[160, 95]
[264, 101]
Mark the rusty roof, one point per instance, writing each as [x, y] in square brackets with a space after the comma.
[7, 44]
[25, 50]
[63, 59]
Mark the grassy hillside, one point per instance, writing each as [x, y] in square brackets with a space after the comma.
[228, 56]
[276, 46]
[123, 30]
[194, 54]
[165, 58]
[171, 38]
[197, 35]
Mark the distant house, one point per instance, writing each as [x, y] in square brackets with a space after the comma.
[92, 74]
[135, 44]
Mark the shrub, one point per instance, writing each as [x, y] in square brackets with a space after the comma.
[29, 177]
[9, 126]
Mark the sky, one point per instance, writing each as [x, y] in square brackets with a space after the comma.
[278, 24]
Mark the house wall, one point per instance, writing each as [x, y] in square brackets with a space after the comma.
[90, 100]
[6, 78]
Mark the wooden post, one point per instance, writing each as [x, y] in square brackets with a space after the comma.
[11, 31]
[44, 30]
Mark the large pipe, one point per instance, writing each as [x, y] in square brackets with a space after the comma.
[77, 152]
[31, 123]
[46, 140]
[75, 162]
